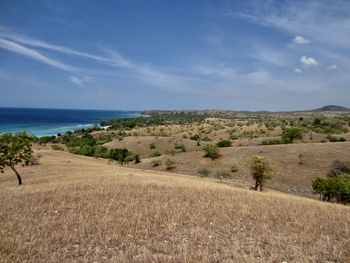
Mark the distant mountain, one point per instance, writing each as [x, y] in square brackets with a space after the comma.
[332, 108]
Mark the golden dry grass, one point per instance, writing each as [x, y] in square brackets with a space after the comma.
[79, 209]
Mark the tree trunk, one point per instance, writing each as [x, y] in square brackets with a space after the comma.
[256, 185]
[261, 187]
[17, 174]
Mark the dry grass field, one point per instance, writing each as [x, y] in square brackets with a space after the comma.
[80, 209]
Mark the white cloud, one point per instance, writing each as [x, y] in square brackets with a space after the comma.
[298, 70]
[309, 61]
[78, 81]
[332, 67]
[301, 40]
[33, 54]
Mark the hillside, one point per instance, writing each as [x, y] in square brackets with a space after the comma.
[82, 209]
[292, 177]
[332, 108]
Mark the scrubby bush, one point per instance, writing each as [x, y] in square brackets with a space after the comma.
[204, 172]
[211, 151]
[206, 139]
[155, 154]
[271, 142]
[35, 160]
[180, 147]
[222, 174]
[335, 139]
[152, 145]
[195, 137]
[262, 169]
[224, 143]
[290, 134]
[170, 164]
[155, 163]
[101, 152]
[339, 167]
[46, 139]
[120, 155]
[331, 188]
[234, 169]
[57, 147]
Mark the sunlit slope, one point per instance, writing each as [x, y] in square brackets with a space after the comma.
[74, 208]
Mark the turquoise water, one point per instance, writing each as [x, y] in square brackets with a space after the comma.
[42, 122]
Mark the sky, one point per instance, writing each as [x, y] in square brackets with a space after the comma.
[136, 55]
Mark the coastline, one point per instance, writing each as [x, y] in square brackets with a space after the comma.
[51, 122]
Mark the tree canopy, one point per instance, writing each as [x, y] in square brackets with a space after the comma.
[290, 134]
[262, 169]
[14, 150]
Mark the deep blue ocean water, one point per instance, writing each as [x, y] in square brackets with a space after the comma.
[41, 122]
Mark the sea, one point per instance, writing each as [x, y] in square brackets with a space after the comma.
[47, 122]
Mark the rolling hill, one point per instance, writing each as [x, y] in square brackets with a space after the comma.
[82, 209]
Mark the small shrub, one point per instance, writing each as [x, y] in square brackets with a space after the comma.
[222, 174]
[195, 137]
[155, 154]
[339, 167]
[34, 160]
[171, 152]
[152, 145]
[204, 172]
[57, 147]
[137, 158]
[211, 151]
[155, 163]
[180, 147]
[335, 139]
[170, 164]
[206, 139]
[234, 169]
[224, 143]
[271, 142]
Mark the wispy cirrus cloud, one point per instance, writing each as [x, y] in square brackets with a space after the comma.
[143, 72]
[33, 54]
[321, 21]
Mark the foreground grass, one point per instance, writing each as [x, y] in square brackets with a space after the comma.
[73, 208]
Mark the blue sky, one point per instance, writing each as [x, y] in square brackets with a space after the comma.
[241, 55]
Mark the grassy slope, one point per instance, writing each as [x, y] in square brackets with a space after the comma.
[292, 177]
[82, 209]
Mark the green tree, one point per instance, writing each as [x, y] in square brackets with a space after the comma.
[262, 169]
[337, 187]
[14, 150]
[290, 134]
[211, 151]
